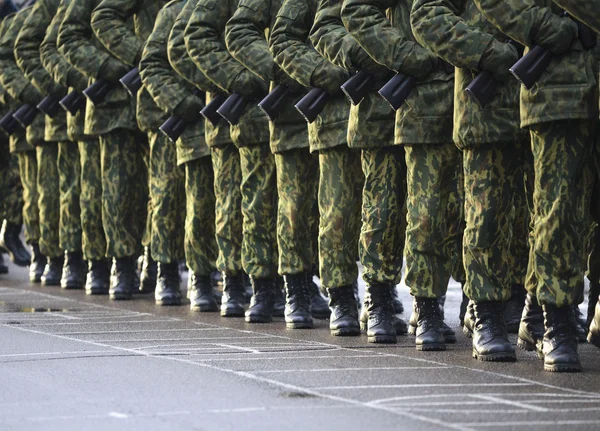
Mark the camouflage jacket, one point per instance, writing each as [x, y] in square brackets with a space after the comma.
[371, 123]
[246, 34]
[182, 63]
[568, 88]
[77, 43]
[13, 80]
[123, 26]
[427, 115]
[169, 90]
[587, 11]
[294, 53]
[456, 31]
[205, 42]
[63, 72]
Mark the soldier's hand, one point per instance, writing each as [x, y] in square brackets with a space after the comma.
[249, 85]
[498, 58]
[418, 63]
[189, 108]
[329, 77]
[112, 70]
[559, 36]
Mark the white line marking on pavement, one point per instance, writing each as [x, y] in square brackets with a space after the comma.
[54, 353]
[418, 385]
[499, 400]
[135, 331]
[529, 424]
[322, 370]
[118, 415]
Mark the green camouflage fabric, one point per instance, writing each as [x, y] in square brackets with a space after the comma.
[426, 117]
[172, 93]
[297, 182]
[11, 191]
[200, 245]
[568, 89]
[123, 26]
[459, 33]
[77, 43]
[14, 82]
[124, 192]
[205, 41]
[27, 55]
[586, 12]
[187, 69]
[48, 187]
[228, 203]
[93, 240]
[293, 51]
[69, 174]
[246, 36]
[31, 213]
[456, 211]
[340, 185]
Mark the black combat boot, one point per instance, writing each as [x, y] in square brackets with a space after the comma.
[10, 240]
[279, 298]
[319, 308]
[490, 339]
[400, 325]
[297, 304]
[379, 306]
[344, 311]
[38, 263]
[560, 341]
[53, 271]
[98, 277]
[168, 290]
[261, 304]
[513, 309]
[594, 334]
[579, 324]
[248, 287]
[216, 279]
[531, 328]
[3, 267]
[74, 271]
[234, 295]
[123, 278]
[398, 307]
[426, 325]
[463, 309]
[469, 320]
[201, 293]
[148, 273]
[449, 334]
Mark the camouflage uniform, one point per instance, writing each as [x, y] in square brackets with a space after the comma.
[205, 42]
[124, 184]
[297, 169]
[111, 24]
[560, 112]
[11, 190]
[93, 242]
[424, 128]
[224, 155]
[340, 177]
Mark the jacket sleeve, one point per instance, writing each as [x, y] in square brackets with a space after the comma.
[587, 11]
[54, 63]
[27, 49]
[438, 27]
[109, 23]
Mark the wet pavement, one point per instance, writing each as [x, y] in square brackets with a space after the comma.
[72, 362]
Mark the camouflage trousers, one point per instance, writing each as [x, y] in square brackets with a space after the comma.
[93, 240]
[31, 213]
[259, 211]
[456, 211]
[124, 192]
[340, 184]
[432, 230]
[562, 160]
[69, 176]
[200, 245]
[48, 185]
[167, 197]
[228, 207]
[297, 182]
[11, 191]
[382, 236]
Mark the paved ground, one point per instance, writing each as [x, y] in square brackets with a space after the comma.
[72, 362]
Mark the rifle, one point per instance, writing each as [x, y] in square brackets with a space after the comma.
[272, 105]
[311, 105]
[25, 115]
[49, 106]
[8, 124]
[73, 102]
[358, 86]
[233, 108]
[132, 81]
[210, 110]
[173, 128]
[97, 92]
[483, 88]
[396, 91]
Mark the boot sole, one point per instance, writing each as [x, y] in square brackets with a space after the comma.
[120, 296]
[382, 339]
[496, 357]
[233, 312]
[448, 339]
[593, 339]
[258, 319]
[204, 309]
[431, 347]
[96, 292]
[559, 368]
[168, 302]
[72, 286]
[300, 325]
[345, 332]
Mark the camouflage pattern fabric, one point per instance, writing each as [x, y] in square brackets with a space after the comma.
[297, 181]
[228, 203]
[586, 12]
[456, 211]
[69, 175]
[200, 246]
[48, 185]
[31, 214]
[339, 198]
[93, 240]
[11, 192]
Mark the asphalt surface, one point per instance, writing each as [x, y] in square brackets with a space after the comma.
[74, 362]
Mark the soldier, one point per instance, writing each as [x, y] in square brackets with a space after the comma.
[205, 42]
[124, 185]
[560, 112]
[424, 127]
[340, 175]
[111, 24]
[178, 97]
[297, 169]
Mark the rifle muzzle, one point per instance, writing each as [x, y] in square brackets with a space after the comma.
[173, 128]
[49, 106]
[97, 92]
[210, 110]
[311, 105]
[273, 104]
[132, 81]
[358, 86]
[233, 108]
[25, 115]
[8, 124]
[73, 102]
[397, 90]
